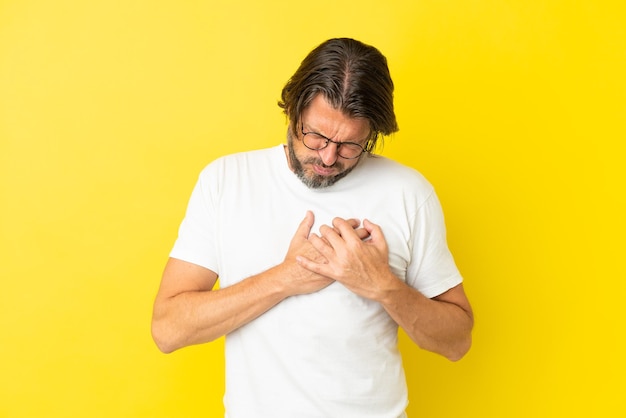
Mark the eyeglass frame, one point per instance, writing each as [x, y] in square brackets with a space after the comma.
[328, 141]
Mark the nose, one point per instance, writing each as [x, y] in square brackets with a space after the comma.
[329, 154]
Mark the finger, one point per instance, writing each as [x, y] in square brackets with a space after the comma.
[332, 236]
[362, 233]
[314, 237]
[375, 232]
[328, 251]
[312, 266]
[324, 240]
[304, 229]
[322, 245]
[345, 229]
[354, 223]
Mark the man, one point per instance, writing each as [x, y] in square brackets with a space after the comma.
[322, 249]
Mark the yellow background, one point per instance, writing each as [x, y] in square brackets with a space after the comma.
[514, 109]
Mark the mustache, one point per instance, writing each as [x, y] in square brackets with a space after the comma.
[316, 161]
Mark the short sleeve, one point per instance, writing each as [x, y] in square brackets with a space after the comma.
[196, 242]
[432, 270]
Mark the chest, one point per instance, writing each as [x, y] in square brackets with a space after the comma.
[256, 223]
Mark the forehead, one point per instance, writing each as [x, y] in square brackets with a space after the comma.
[321, 117]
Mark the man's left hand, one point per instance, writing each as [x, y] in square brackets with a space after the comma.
[359, 261]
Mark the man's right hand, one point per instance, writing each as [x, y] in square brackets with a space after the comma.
[187, 310]
[298, 279]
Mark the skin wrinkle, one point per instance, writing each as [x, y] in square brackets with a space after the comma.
[188, 310]
[315, 181]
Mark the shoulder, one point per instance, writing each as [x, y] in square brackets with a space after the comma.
[240, 161]
[395, 175]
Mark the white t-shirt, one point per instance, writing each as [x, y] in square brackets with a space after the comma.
[330, 353]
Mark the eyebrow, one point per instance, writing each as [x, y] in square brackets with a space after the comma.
[330, 139]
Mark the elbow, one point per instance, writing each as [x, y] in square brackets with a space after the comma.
[460, 349]
[464, 342]
[162, 337]
[164, 347]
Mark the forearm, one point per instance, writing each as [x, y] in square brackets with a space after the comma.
[187, 311]
[195, 317]
[442, 325]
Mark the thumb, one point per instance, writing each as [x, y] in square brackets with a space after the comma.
[304, 229]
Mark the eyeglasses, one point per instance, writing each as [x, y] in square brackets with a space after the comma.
[316, 142]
